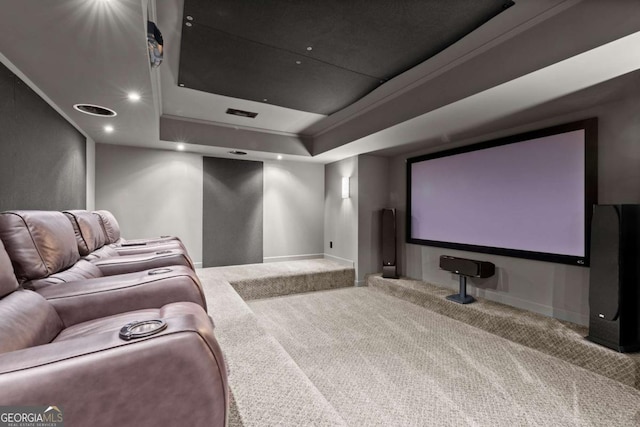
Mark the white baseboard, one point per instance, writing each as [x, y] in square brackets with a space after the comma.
[197, 264]
[343, 261]
[291, 257]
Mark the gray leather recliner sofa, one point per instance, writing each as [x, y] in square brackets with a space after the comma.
[99, 372]
[29, 234]
[45, 258]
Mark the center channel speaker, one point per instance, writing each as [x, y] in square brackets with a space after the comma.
[466, 268]
[614, 297]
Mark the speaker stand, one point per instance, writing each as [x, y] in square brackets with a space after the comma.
[462, 297]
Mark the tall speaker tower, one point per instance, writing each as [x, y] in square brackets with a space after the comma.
[388, 242]
[614, 279]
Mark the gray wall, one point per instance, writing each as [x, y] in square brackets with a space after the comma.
[341, 215]
[127, 182]
[552, 289]
[293, 210]
[232, 212]
[42, 156]
[373, 196]
[152, 193]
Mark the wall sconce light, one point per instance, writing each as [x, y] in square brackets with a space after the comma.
[345, 187]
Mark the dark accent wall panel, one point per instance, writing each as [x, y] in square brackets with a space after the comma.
[42, 156]
[232, 212]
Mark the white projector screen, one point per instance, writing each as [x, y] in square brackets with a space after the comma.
[529, 195]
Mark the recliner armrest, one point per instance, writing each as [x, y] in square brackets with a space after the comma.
[85, 300]
[177, 377]
[133, 263]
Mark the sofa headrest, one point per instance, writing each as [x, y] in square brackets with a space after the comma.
[89, 233]
[109, 225]
[8, 281]
[39, 243]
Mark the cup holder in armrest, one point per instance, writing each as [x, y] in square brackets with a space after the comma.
[141, 329]
[163, 252]
[159, 271]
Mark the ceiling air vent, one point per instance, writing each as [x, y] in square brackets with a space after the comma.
[241, 113]
[238, 153]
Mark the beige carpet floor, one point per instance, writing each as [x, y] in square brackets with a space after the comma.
[382, 361]
[268, 388]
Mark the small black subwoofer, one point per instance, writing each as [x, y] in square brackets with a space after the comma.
[614, 297]
[466, 268]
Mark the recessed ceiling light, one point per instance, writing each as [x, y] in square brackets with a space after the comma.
[133, 96]
[180, 147]
[95, 110]
[188, 24]
[298, 62]
[279, 156]
[108, 128]
[181, 84]
[309, 48]
[264, 100]
[189, 18]
[238, 153]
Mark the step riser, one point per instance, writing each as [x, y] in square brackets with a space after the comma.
[269, 287]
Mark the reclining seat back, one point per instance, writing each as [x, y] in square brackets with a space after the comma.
[89, 233]
[26, 318]
[109, 225]
[113, 236]
[43, 248]
[40, 243]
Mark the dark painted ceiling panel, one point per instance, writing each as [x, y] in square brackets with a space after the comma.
[244, 69]
[246, 48]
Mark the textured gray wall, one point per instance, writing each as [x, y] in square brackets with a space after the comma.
[42, 156]
[232, 212]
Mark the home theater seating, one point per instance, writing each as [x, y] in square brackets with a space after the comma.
[73, 309]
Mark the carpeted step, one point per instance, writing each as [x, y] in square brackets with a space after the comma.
[557, 338]
[257, 281]
[267, 386]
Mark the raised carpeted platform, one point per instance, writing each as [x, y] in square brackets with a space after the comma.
[383, 361]
[255, 281]
[563, 340]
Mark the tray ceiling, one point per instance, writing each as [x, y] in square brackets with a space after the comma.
[316, 56]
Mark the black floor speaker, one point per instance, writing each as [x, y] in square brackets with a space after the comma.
[614, 297]
[388, 242]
